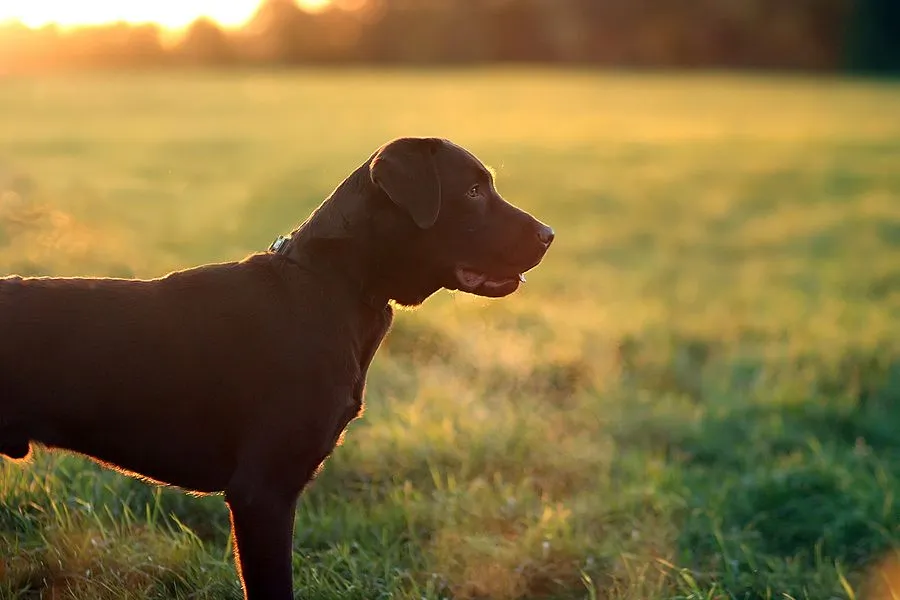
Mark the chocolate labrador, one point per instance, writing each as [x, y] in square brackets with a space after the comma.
[240, 377]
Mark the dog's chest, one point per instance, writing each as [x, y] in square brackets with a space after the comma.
[373, 332]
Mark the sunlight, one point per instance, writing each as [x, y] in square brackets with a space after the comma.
[170, 14]
[314, 5]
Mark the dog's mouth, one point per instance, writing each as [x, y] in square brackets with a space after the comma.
[480, 283]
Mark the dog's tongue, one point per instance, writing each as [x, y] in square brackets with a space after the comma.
[470, 279]
[479, 283]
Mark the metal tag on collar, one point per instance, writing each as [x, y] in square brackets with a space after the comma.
[278, 244]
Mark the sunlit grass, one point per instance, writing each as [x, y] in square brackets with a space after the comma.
[695, 396]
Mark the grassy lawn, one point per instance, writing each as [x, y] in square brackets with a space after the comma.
[697, 395]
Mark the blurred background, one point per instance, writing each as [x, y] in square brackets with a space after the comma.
[812, 35]
[695, 395]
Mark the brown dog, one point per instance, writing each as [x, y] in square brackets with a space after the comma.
[240, 377]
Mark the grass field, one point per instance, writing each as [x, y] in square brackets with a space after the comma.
[697, 395]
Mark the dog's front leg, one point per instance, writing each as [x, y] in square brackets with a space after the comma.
[262, 524]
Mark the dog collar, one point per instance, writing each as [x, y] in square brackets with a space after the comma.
[280, 244]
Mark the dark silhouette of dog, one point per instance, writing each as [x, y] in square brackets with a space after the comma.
[240, 377]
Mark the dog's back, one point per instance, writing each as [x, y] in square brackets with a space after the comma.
[114, 367]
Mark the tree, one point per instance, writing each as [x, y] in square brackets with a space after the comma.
[874, 37]
[206, 44]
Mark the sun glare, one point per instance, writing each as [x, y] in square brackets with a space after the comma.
[170, 14]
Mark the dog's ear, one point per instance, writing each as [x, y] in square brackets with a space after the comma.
[406, 170]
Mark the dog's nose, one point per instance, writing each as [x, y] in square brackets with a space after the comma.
[545, 234]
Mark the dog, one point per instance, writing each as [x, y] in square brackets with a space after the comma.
[240, 377]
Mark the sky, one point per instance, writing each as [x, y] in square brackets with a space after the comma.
[171, 14]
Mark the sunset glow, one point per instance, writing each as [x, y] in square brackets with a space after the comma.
[171, 14]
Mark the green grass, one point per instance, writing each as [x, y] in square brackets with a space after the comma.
[696, 395]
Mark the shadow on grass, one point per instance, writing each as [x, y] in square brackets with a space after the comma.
[783, 496]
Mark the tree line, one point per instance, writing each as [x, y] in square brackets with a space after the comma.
[755, 34]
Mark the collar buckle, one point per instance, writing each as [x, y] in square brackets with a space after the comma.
[278, 245]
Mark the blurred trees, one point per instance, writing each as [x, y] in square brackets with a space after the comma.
[205, 44]
[794, 34]
[117, 45]
[874, 41]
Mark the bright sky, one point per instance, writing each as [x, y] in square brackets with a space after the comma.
[171, 14]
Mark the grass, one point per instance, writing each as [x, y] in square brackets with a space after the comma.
[697, 395]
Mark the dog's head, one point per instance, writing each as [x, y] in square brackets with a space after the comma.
[451, 228]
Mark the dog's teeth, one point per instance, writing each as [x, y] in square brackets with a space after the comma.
[521, 277]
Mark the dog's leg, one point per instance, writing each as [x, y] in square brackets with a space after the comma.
[15, 450]
[262, 524]
[13, 443]
[262, 497]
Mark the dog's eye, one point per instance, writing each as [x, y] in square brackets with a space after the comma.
[474, 191]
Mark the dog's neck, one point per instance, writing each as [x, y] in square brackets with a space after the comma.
[341, 237]
[326, 257]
